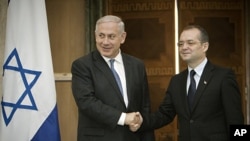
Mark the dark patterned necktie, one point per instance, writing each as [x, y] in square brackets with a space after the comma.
[117, 78]
[192, 89]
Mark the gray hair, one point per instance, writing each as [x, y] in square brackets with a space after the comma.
[111, 18]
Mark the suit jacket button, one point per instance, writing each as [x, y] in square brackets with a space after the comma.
[191, 121]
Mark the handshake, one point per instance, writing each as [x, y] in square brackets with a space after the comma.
[133, 120]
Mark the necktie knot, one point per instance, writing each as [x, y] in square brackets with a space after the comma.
[192, 73]
[112, 61]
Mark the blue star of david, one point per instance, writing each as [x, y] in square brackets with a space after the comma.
[27, 91]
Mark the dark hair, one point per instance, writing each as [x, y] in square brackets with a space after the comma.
[203, 33]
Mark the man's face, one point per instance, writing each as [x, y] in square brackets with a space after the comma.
[191, 49]
[109, 39]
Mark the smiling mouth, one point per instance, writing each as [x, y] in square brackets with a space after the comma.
[106, 49]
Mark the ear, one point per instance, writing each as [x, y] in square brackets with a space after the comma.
[205, 46]
[123, 36]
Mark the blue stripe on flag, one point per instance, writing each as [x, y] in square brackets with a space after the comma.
[49, 130]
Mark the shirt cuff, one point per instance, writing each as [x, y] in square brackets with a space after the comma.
[122, 119]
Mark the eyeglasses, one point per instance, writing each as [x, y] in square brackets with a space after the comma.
[188, 42]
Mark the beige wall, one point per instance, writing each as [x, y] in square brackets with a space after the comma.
[66, 30]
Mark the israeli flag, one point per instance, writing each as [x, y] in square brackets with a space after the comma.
[28, 109]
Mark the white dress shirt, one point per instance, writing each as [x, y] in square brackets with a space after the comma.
[119, 67]
[198, 72]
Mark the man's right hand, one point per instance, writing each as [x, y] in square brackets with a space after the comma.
[133, 120]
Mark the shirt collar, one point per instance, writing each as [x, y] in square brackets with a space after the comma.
[199, 68]
[118, 58]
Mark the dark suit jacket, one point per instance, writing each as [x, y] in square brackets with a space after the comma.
[100, 102]
[217, 105]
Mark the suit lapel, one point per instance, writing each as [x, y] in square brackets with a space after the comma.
[100, 63]
[128, 75]
[184, 89]
[204, 80]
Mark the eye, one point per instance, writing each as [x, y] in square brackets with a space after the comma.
[180, 44]
[112, 36]
[190, 43]
[101, 36]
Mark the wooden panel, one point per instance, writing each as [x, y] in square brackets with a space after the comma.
[150, 36]
[247, 27]
[224, 22]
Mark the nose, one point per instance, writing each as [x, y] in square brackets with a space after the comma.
[106, 40]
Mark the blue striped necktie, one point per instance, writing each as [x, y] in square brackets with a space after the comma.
[117, 78]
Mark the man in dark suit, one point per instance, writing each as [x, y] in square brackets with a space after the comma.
[214, 104]
[109, 104]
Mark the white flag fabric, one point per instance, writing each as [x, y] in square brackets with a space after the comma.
[28, 107]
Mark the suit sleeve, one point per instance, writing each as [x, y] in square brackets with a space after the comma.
[87, 102]
[231, 99]
[165, 113]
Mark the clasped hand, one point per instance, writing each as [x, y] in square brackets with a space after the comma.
[134, 121]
